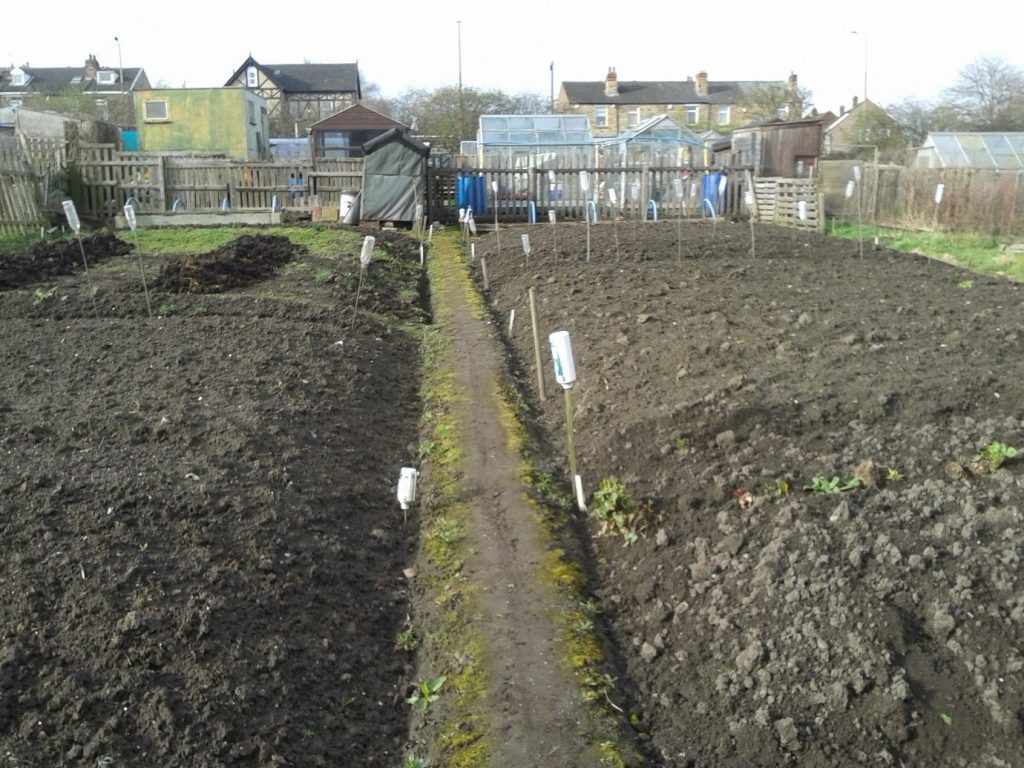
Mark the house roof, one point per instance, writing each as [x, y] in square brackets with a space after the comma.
[357, 118]
[662, 91]
[860, 106]
[307, 78]
[60, 79]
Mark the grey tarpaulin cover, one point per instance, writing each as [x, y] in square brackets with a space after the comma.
[394, 177]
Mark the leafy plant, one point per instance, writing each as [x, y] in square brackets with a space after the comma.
[199, 310]
[965, 284]
[166, 309]
[893, 475]
[836, 484]
[411, 761]
[992, 457]
[448, 530]
[426, 692]
[618, 512]
[42, 295]
[779, 488]
[323, 275]
[407, 640]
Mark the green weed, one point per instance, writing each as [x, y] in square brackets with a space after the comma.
[407, 640]
[836, 484]
[323, 275]
[992, 457]
[618, 512]
[426, 692]
[166, 309]
[41, 295]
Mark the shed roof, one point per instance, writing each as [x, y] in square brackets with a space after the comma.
[396, 135]
[357, 118]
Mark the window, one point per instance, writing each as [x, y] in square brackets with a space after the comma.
[252, 77]
[634, 117]
[601, 117]
[155, 110]
[724, 115]
[106, 77]
[250, 112]
[18, 77]
[326, 106]
[782, 112]
[692, 114]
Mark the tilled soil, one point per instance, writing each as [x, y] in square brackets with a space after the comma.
[761, 623]
[202, 552]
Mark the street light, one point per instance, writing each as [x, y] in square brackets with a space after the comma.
[864, 34]
[120, 66]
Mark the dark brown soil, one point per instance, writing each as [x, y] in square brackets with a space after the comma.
[243, 261]
[51, 258]
[760, 623]
[202, 551]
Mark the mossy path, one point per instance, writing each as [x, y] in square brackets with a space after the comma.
[491, 612]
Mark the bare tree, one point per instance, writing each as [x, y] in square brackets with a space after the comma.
[988, 96]
[767, 100]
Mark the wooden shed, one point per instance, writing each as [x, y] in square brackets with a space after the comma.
[394, 178]
[785, 148]
[343, 134]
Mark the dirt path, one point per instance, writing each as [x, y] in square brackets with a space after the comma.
[536, 711]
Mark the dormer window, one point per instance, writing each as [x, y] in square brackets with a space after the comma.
[106, 77]
[252, 77]
[18, 77]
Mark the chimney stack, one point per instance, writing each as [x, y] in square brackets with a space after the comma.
[702, 83]
[92, 66]
[792, 81]
[611, 83]
[854, 101]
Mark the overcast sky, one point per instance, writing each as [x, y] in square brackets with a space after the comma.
[914, 48]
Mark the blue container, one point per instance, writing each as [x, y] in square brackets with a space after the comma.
[129, 140]
[471, 192]
[711, 182]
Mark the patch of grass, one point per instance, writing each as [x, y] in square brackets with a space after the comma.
[323, 276]
[979, 253]
[13, 243]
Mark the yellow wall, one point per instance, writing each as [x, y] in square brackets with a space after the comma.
[202, 120]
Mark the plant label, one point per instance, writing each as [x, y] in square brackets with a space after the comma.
[494, 188]
[940, 189]
[407, 480]
[72, 216]
[612, 196]
[526, 244]
[584, 181]
[848, 192]
[367, 252]
[129, 216]
[801, 209]
[551, 216]
[561, 356]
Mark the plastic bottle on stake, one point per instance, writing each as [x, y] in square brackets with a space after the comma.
[364, 256]
[561, 355]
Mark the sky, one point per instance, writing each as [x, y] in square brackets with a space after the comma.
[907, 48]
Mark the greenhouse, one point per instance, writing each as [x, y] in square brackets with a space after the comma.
[538, 141]
[658, 141]
[991, 151]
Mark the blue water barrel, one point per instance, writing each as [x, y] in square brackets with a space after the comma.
[471, 191]
[711, 182]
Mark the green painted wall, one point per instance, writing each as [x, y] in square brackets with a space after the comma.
[201, 120]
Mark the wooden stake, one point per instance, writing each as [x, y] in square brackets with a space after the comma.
[536, 345]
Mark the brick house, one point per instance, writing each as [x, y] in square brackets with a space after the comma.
[700, 104]
[865, 126]
[299, 95]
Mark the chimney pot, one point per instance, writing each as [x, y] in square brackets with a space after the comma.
[702, 83]
[611, 83]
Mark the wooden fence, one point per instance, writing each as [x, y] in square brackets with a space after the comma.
[982, 201]
[640, 192]
[103, 179]
[19, 203]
